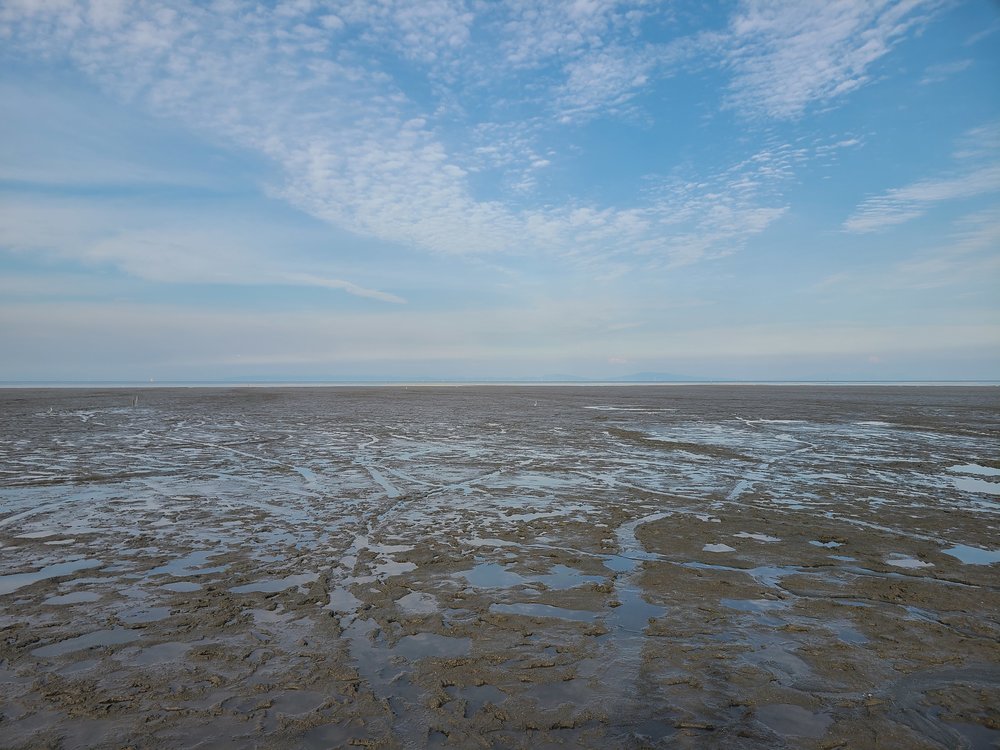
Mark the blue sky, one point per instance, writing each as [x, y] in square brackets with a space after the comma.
[465, 189]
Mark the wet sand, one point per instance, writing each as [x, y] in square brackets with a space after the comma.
[675, 566]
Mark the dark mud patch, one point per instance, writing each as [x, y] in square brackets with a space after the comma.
[697, 449]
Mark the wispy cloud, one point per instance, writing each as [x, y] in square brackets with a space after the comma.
[944, 71]
[320, 89]
[354, 150]
[989, 31]
[787, 56]
[146, 245]
[535, 33]
[430, 32]
[305, 279]
[968, 257]
[603, 81]
[977, 173]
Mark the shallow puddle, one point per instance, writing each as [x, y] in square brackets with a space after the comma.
[976, 486]
[296, 702]
[562, 577]
[161, 653]
[630, 547]
[905, 561]
[97, 639]
[633, 613]
[391, 568]
[492, 576]
[847, 633]
[275, 584]
[11, 583]
[188, 565]
[417, 603]
[423, 645]
[620, 564]
[794, 721]
[342, 600]
[973, 555]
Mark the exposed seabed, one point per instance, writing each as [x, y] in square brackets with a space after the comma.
[723, 566]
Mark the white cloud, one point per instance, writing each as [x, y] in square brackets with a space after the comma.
[787, 56]
[944, 71]
[306, 86]
[355, 151]
[969, 257]
[603, 81]
[990, 30]
[146, 244]
[306, 279]
[977, 173]
[537, 32]
[430, 31]
[900, 205]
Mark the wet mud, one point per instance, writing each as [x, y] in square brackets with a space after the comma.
[499, 567]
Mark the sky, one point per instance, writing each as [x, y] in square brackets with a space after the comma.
[462, 189]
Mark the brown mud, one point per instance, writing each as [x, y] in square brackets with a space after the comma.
[674, 566]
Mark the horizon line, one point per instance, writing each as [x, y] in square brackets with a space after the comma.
[156, 384]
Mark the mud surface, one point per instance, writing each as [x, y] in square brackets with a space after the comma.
[713, 566]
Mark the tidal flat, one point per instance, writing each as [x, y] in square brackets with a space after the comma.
[500, 567]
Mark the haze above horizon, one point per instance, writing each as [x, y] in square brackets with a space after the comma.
[389, 190]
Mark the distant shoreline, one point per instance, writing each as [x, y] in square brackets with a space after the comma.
[25, 385]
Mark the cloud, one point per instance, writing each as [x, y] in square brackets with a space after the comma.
[977, 173]
[788, 56]
[364, 106]
[900, 205]
[715, 214]
[964, 258]
[355, 151]
[304, 279]
[990, 30]
[596, 48]
[603, 81]
[431, 32]
[968, 257]
[146, 245]
[536, 33]
[944, 71]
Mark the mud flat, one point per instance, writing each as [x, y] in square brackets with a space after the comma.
[711, 566]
